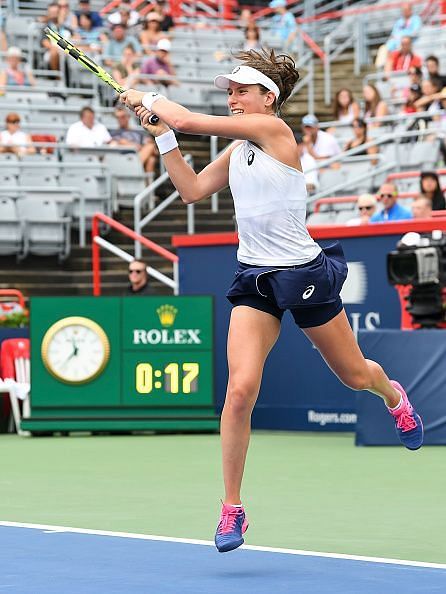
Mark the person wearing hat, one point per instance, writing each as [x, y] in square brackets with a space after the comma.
[119, 40]
[414, 94]
[320, 145]
[283, 24]
[159, 64]
[14, 75]
[280, 267]
[151, 32]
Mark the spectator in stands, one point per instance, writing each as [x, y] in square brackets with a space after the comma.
[66, 18]
[14, 140]
[391, 211]
[374, 105]
[85, 8]
[360, 137]
[252, 38]
[167, 23]
[151, 32]
[119, 40]
[404, 58]
[125, 136]
[86, 37]
[430, 188]
[346, 109]
[125, 15]
[421, 208]
[431, 95]
[14, 74]
[51, 56]
[366, 207]
[283, 24]
[320, 145]
[126, 72]
[308, 164]
[3, 40]
[139, 279]
[433, 69]
[245, 18]
[408, 25]
[86, 133]
[415, 93]
[160, 63]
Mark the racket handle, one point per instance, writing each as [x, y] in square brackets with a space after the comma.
[154, 119]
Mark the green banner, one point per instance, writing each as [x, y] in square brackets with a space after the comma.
[108, 359]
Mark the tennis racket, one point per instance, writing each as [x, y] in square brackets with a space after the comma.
[88, 63]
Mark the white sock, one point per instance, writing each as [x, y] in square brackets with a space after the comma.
[237, 505]
[399, 403]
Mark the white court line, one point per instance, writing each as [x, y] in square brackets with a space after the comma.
[209, 543]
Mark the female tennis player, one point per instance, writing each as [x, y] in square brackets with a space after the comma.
[280, 266]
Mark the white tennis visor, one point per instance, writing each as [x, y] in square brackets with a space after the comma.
[247, 76]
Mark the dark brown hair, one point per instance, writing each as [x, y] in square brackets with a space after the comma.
[280, 68]
[337, 106]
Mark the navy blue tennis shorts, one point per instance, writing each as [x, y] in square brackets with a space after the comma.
[310, 291]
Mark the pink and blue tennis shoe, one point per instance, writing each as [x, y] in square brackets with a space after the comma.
[408, 424]
[233, 524]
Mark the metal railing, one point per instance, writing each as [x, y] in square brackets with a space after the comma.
[147, 197]
[97, 242]
[384, 139]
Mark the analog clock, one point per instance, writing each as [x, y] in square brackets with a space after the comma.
[75, 350]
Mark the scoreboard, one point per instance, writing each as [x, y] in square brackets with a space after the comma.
[118, 364]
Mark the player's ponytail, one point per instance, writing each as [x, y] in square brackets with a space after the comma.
[279, 68]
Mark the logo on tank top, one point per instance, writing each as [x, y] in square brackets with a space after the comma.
[308, 292]
[250, 157]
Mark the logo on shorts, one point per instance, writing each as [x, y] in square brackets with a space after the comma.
[308, 292]
[250, 157]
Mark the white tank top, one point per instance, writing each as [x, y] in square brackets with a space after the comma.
[270, 207]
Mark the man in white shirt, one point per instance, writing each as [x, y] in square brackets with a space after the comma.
[320, 145]
[86, 133]
[308, 165]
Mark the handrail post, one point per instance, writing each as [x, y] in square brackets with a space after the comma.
[137, 227]
[311, 87]
[96, 257]
[176, 278]
[327, 74]
[190, 219]
[213, 155]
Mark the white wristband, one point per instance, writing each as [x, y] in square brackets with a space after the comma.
[166, 142]
[149, 99]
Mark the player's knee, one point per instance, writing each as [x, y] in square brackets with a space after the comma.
[240, 399]
[359, 380]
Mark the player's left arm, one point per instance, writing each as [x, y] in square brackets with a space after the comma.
[256, 127]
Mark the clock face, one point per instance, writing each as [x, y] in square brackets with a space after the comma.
[75, 350]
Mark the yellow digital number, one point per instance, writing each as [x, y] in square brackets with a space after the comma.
[144, 378]
[192, 370]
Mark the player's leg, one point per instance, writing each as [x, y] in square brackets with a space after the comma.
[336, 343]
[252, 334]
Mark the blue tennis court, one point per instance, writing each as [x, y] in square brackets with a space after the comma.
[49, 559]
